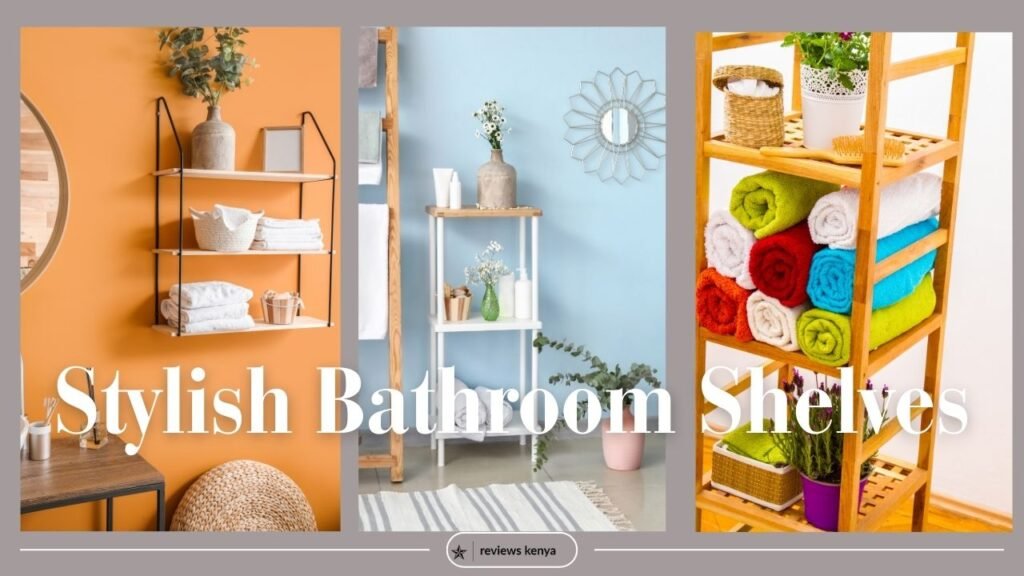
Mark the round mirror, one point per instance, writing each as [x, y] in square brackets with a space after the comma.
[44, 193]
[619, 126]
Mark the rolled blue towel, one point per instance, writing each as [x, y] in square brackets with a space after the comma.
[830, 286]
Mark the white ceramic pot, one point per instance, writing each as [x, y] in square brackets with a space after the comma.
[830, 109]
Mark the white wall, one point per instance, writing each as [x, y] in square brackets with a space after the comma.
[976, 465]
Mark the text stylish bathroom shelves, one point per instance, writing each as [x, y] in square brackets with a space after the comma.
[892, 481]
[179, 252]
[440, 326]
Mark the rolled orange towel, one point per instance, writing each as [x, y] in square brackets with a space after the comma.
[722, 305]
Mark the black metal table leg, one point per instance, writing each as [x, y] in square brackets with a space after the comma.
[160, 524]
[110, 514]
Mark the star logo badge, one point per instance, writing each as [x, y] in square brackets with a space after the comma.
[458, 553]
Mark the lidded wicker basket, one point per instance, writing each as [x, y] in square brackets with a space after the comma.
[752, 121]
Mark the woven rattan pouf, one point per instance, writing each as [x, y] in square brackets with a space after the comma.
[244, 496]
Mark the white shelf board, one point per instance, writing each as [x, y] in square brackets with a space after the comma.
[242, 175]
[476, 323]
[193, 252]
[300, 323]
[513, 428]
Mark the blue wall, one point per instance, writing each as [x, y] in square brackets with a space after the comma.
[602, 278]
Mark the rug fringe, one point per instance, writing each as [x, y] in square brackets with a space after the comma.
[603, 503]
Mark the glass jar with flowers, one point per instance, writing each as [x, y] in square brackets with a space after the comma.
[819, 456]
[487, 270]
[495, 180]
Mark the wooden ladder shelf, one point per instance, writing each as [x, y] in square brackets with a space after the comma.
[892, 482]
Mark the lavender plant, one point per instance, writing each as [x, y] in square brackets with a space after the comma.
[819, 456]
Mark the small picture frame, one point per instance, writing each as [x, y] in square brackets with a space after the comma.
[282, 149]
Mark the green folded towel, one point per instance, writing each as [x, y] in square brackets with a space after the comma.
[769, 202]
[759, 447]
[369, 136]
[825, 336]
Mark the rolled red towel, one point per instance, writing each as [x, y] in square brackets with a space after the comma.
[722, 305]
[781, 263]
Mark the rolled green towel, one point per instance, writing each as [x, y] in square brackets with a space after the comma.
[825, 336]
[759, 447]
[770, 202]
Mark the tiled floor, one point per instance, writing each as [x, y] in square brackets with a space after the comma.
[640, 495]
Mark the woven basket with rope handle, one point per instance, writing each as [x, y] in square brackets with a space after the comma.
[244, 496]
[751, 121]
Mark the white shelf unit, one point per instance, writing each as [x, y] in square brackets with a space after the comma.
[440, 327]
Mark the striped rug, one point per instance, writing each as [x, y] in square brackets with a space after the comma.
[526, 507]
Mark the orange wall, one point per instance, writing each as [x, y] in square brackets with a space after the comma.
[93, 305]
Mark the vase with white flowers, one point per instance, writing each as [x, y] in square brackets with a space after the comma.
[489, 267]
[495, 180]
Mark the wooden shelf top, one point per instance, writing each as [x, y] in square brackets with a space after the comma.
[301, 323]
[243, 176]
[474, 212]
[878, 358]
[922, 151]
[890, 484]
[196, 252]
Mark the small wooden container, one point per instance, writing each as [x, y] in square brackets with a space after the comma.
[760, 483]
[280, 308]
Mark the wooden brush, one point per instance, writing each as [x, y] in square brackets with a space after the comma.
[845, 150]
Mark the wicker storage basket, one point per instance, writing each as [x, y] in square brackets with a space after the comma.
[220, 232]
[760, 483]
[752, 121]
[280, 308]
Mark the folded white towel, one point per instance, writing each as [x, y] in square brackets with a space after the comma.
[727, 246]
[170, 310]
[833, 220]
[217, 325]
[288, 234]
[205, 294]
[370, 174]
[771, 322]
[288, 245]
[268, 222]
[483, 395]
[373, 271]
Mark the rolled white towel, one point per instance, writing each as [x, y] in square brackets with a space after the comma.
[170, 311]
[833, 220]
[216, 325]
[205, 294]
[268, 222]
[727, 246]
[771, 322]
[485, 392]
[460, 404]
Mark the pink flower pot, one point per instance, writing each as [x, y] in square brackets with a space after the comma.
[622, 450]
[821, 502]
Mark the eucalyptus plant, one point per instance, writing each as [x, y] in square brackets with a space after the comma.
[604, 379]
[207, 64]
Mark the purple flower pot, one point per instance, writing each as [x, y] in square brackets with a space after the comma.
[821, 502]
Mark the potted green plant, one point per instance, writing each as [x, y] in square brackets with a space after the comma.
[487, 270]
[495, 180]
[622, 450]
[833, 83]
[819, 457]
[208, 73]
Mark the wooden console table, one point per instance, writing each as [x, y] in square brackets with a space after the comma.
[76, 475]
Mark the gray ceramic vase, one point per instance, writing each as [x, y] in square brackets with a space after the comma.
[213, 143]
[496, 183]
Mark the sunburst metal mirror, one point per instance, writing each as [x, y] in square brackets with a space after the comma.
[616, 126]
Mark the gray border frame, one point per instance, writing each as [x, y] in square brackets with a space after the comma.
[350, 550]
